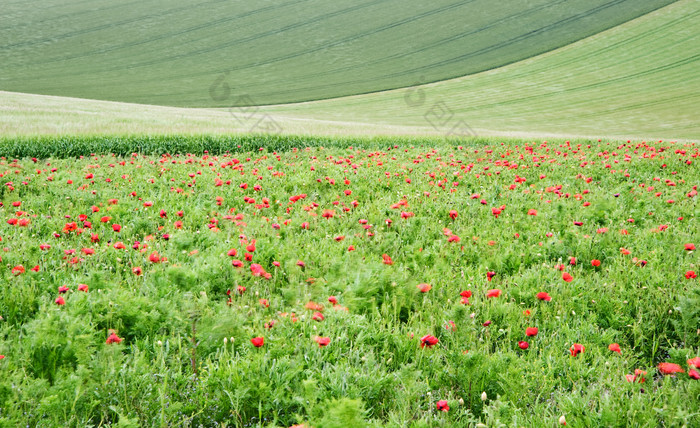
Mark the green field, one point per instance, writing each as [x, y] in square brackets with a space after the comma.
[278, 51]
[349, 283]
[317, 214]
[638, 79]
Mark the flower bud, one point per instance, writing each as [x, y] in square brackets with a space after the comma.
[562, 420]
[484, 397]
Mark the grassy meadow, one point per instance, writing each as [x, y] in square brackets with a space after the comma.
[215, 53]
[349, 282]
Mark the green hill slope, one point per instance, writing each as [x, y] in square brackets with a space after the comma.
[639, 79]
[277, 51]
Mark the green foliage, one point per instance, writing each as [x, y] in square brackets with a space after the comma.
[186, 357]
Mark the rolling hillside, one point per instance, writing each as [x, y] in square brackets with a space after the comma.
[216, 53]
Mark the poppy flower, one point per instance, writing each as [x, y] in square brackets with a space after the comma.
[35, 268]
[638, 376]
[544, 296]
[487, 323]
[442, 406]
[317, 316]
[532, 211]
[257, 270]
[670, 368]
[690, 275]
[493, 293]
[578, 223]
[113, 338]
[428, 341]
[453, 214]
[63, 289]
[18, 270]
[424, 288]
[490, 275]
[523, 345]
[116, 228]
[154, 257]
[567, 277]
[313, 306]
[258, 341]
[137, 271]
[264, 303]
[694, 374]
[466, 294]
[83, 287]
[240, 289]
[694, 362]
[577, 349]
[689, 247]
[595, 262]
[531, 331]
[322, 341]
[387, 260]
[614, 347]
[60, 301]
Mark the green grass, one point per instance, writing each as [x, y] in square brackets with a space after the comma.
[278, 51]
[637, 79]
[58, 369]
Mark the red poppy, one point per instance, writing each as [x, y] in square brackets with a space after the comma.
[531, 331]
[313, 306]
[670, 368]
[567, 277]
[595, 262]
[694, 362]
[258, 341]
[490, 275]
[35, 268]
[614, 347]
[137, 271]
[116, 228]
[693, 374]
[487, 323]
[257, 270]
[544, 296]
[63, 289]
[264, 303]
[453, 214]
[577, 349]
[154, 257]
[113, 338]
[322, 341]
[689, 247]
[638, 376]
[690, 275]
[387, 260]
[442, 406]
[301, 264]
[59, 301]
[428, 341]
[424, 288]
[493, 293]
[18, 270]
[523, 345]
[240, 289]
[317, 316]
[532, 211]
[466, 294]
[83, 287]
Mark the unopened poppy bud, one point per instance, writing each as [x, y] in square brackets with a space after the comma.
[562, 420]
[461, 401]
[231, 339]
[160, 343]
[225, 340]
[484, 397]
